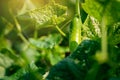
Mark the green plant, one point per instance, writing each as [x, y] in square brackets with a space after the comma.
[77, 64]
[59, 42]
[92, 65]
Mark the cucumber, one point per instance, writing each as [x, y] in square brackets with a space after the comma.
[75, 33]
[75, 29]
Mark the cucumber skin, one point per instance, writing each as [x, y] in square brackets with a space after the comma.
[75, 33]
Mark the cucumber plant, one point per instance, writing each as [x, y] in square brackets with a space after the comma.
[27, 53]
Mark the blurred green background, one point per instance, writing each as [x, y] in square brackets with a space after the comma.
[20, 47]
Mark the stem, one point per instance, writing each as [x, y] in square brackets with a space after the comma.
[104, 37]
[17, 25]
[60, 30]
[77, 8]
[36, 31]
[23, 38]
[19, 30]
[66, 23]
[102, 56]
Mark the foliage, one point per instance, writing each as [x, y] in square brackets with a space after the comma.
[34, 41]
[20, 55]
[77, 64]
[50, 14]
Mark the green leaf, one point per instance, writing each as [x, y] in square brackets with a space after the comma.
[47, 14]
[113, 12]
[27, 5]
[75, 66]
[5, 26]
[54, 57]
[30, 72]
[4, 43]
[26, 55]
[108, 8]
[5, 61]
[46, 42]
[114, 35]
[30, 54]
[109, 11]
[91, 29]
[2, 72]
[93, 8]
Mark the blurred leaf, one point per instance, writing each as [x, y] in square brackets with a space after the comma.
[29, 54]
[114, 78]
[30, 4]
[45, 15]
[5, 61]
[8, 52]
[91, 29]
[56, 54]
[110, 8]
[112, 12]
[93, 8]
[2, 72]
[30, 72]
[46, 42]
[4, 43]
[5, 26]
[114, 35]
[75, 66]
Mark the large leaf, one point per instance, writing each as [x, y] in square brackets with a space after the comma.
[107, 11]
[75, 66]
[99, 8]
[47, 15]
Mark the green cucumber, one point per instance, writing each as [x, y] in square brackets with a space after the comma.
[75, 29]
[75, 33]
